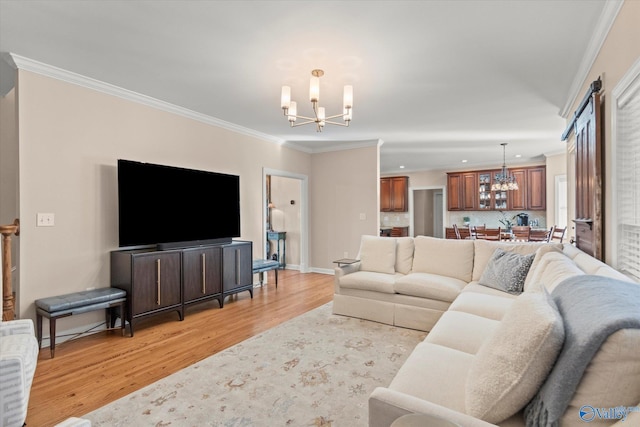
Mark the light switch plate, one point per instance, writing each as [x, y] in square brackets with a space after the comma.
[45, 220]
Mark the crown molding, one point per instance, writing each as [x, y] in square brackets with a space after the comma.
[334, 145]
[22, 63]
[600, 33]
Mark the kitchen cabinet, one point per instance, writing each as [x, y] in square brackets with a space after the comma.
[394, 194]
[462, 191]
[471, 190]
[537, 188]
[517, 199]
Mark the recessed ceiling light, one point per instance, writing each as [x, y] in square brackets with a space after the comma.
[464, 161]
[518, 156]
[402, 167]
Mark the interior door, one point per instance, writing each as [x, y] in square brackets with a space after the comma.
[589, 190]
[438, 220]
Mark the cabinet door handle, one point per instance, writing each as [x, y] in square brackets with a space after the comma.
[158, 279]
[237, 266]
[204, 274]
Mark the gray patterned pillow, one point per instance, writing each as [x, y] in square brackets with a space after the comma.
[506, 271]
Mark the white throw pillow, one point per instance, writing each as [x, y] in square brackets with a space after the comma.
[510, 367]
[404, 254]
[378, 254]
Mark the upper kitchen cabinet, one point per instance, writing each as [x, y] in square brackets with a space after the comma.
[537, 188]
[462, 191]
[394, 194]
[471, 191]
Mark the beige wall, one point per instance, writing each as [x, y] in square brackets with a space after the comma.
[619, 51]
[70, 139]
[344, 187]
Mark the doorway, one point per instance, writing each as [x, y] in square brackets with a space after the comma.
[426, 207]
[285, 209]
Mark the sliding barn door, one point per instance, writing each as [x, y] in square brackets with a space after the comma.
[589, 182]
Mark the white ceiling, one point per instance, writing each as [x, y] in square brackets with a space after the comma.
[437, 81]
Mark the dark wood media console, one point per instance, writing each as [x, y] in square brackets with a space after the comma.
[161, 281]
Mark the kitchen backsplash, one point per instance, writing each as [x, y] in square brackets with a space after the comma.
[492, 218]
[391, 219]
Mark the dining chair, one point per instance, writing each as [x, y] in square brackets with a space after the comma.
[540, 235]
[476, 228]
[521, 232]
[455, 230]
[450, 233]
[396, 232]
[558, 233]
[489, 234]
[464, 232]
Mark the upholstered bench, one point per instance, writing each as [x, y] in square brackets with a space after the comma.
[262, 265]
[54, 308]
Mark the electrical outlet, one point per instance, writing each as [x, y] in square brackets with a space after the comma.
[45, 220]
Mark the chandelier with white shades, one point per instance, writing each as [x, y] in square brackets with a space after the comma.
[504, 181]
[290, 107]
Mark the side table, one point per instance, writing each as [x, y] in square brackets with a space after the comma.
[345, 261]
[279, 236]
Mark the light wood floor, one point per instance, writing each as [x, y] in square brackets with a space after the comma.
[90, 372]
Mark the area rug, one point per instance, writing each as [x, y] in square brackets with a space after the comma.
[315, 370]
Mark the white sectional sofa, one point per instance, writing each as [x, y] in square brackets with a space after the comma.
[493, 349]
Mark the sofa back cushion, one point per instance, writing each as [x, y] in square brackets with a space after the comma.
[484, 250]
[446, 257]
[552, 269]
[404, 254]
[512, 364]
[378, 254]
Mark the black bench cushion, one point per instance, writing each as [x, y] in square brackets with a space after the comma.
[79, 299]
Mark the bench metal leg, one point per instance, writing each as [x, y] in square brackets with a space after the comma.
[52, 336]
[39, 329]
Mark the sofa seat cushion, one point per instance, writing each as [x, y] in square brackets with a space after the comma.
[370, 281]
[446, 257]
[435, 373]
[490, 306]
[513, 363]
[462, 331]
[477, 288]
[428, 285]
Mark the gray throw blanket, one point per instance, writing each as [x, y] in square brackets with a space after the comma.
[592, 308]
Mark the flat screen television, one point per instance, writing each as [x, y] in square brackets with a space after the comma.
[175, 207]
